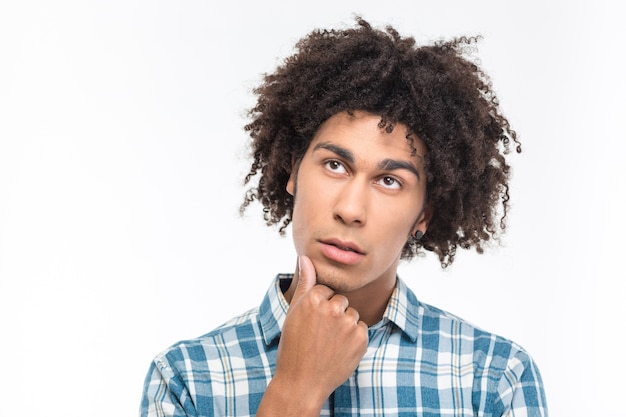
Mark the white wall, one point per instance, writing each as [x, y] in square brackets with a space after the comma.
[121, 158]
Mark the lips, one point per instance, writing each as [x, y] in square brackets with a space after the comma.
[341, 252]
[347, 246]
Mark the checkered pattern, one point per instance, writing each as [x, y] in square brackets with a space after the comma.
[420, 361]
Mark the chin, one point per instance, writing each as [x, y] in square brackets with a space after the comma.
[338, 281]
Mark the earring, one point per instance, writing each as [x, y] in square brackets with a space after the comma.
[418, 235]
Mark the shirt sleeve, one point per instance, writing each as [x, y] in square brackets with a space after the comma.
[164, 393]
[520, 391]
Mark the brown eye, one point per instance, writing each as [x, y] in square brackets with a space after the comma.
[390, 182]
[335, 166]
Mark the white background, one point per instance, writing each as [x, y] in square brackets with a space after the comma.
[122, 154]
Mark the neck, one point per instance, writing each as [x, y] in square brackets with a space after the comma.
[371, 309]
[370, 301]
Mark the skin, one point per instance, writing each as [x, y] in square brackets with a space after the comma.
[356, 187]
[349, 192]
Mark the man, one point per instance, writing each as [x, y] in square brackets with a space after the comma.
[373, 149]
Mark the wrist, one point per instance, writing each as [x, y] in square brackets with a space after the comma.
[287, 399]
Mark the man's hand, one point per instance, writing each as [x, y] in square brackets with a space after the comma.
[321, 345]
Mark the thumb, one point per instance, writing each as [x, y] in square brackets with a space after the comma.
[306, 278]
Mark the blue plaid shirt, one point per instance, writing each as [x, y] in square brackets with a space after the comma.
[420, 361]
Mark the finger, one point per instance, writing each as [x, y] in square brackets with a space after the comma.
[339, 303]
[306, 278]
[353, 314]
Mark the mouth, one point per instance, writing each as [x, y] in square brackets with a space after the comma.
[344, 246]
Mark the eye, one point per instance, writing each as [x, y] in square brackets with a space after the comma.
[390, 183]
[335, 166]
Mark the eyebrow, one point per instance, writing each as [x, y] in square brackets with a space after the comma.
[342, 152]
[385, 164]
[393, 164]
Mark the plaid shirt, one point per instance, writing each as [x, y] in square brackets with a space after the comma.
[420, 361]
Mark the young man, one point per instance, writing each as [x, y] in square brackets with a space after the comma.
[374, 149]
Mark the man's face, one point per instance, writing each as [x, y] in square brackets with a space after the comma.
[359, 195]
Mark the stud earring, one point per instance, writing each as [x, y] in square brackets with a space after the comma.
[418, 235]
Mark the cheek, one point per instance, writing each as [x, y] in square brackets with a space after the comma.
[313, 197]
[396, 225]
[305, 211]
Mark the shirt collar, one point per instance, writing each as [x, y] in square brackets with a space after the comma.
[273, 309]
[401, 310]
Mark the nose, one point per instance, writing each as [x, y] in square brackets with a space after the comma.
[351, 204]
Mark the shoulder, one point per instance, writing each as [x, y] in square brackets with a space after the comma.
[441, 333]
[191, 376]
[504, 374]
[450, 326]
[212, 345]
[489, 353]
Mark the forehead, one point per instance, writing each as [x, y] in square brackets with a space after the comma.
[361, 131]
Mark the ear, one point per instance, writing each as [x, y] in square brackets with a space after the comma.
[423, 220]
[293, 175]
[291, 183]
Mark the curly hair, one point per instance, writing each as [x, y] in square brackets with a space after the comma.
[435, 90]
